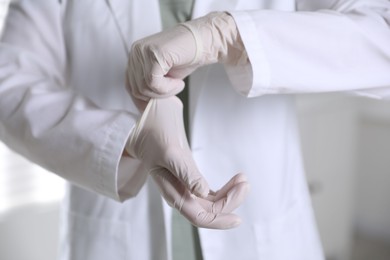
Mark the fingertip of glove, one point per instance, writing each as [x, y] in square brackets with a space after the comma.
[201, 189]
[235, 223]
[246, 186]
[218, 221]
[165, 86]
[202, 193]
[240, 177]
[238, 194]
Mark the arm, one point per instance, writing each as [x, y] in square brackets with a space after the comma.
[43, 119]
[325, 46]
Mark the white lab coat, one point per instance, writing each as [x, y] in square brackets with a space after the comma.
[63, 105]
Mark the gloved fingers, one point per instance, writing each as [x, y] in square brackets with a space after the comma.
[133, 82]
[139, 101]
[154, 86]
[215, 196]
[160, 84]
[171, 189]
[160, 90]
[211, 195]
[181, 164]
[232, 199]
[140, 78]
[179, 197]
[146, 93]
[181, 72]
[149, 66]
[202, 217]
[134, 90]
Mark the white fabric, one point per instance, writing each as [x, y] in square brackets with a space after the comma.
[64, 106]
[342, 46]
[43, 112]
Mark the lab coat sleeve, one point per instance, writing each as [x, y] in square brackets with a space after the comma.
[44, 120]
[325, 45]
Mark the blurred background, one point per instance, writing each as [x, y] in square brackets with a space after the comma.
[346, 147]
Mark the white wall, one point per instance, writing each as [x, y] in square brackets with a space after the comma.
[29, 209]
[30, 232]
[372, 216]
[346, 145]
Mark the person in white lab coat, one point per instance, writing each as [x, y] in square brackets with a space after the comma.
[64, 106]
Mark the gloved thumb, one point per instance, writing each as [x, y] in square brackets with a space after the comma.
[160, 83]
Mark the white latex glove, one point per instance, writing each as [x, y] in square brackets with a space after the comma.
[159, 140]
[158, 63]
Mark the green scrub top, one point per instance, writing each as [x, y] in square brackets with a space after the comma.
[172, 13]
[175, 11]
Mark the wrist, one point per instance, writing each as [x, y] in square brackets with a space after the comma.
[232, 46]
[216, 38]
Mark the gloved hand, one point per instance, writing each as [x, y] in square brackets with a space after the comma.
[211, 212]
[159, 140]
[158, 63]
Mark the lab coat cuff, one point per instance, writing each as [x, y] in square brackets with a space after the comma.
[118, 177]
[253, 79]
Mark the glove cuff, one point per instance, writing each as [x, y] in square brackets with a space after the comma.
[132, 143]
[216, 38]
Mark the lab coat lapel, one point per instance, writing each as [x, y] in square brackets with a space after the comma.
[135, 19]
